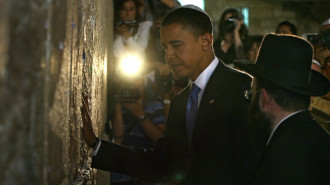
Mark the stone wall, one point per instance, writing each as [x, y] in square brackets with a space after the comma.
[51, 51]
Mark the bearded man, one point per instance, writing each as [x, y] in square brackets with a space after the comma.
[298, 148]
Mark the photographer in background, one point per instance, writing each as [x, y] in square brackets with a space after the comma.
[154, 11]
[286, 27]
[131, 34]
[232, 32]
[131, 125]
[159, 7]
[139, 122]
[252, 46]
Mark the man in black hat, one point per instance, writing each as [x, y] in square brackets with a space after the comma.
[298, 148]
[206, 139]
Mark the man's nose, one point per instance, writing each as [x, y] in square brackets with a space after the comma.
[169, 53]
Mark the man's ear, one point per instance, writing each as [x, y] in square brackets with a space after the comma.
[207, 40]
[264, 100]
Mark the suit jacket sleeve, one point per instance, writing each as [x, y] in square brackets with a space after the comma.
[141, 163]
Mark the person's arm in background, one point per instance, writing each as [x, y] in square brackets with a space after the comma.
[153, 131]
[139, 41]
[239, 47]
[168, 3]
[326, 72]
[118, 125]
[322, 55]
[119, 44]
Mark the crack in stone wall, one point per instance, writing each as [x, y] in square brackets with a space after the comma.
[51, 51]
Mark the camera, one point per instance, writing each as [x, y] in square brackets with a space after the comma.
[128, 23]
[313, 38]
[127, 94]
[229, 25]
[323, 38]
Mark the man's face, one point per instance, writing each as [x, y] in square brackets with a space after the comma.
[184, 51]
[257, 119]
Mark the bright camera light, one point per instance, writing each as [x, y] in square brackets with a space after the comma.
[131, 65]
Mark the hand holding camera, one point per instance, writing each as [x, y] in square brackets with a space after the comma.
[232, 24]
[238, 24]
[123, 28]
[135, 107]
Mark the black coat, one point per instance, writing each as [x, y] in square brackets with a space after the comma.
[298, 153]
[220, 152]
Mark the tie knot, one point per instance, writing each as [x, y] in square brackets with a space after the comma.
[194, 90]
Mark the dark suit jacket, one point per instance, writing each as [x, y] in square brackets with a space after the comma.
[298, 153]
[220, 152]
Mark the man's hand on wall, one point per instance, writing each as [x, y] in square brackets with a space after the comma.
[88, 132]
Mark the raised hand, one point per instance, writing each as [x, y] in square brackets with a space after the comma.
[88, 132]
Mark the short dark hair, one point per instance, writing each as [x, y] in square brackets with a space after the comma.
[197, 22]
[250, 40]
[287, 100]
[291, 26]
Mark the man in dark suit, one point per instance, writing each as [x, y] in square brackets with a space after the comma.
[207, 140]
[298, 148]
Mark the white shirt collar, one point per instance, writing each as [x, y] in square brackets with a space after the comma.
[204, 77]
[278, 124]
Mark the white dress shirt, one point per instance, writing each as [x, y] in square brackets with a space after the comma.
[204, 77]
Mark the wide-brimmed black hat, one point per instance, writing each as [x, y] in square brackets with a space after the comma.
[286, 60]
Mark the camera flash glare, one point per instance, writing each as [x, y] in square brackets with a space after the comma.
[131, 65]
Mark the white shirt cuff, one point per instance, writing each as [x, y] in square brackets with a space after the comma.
[97, 148]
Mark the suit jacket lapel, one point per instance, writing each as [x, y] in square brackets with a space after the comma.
[211, 93]
[179, 112]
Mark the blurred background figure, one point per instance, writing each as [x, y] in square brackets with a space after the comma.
[325, 25]
[286, 27]
[155, 10]
[321, 105]
[138, 119]
[232, 32]
[252, 47]
[141, 108]
[131, 34]
[135, 121]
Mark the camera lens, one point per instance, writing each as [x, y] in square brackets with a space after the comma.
[228, 25]
[126, 93]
